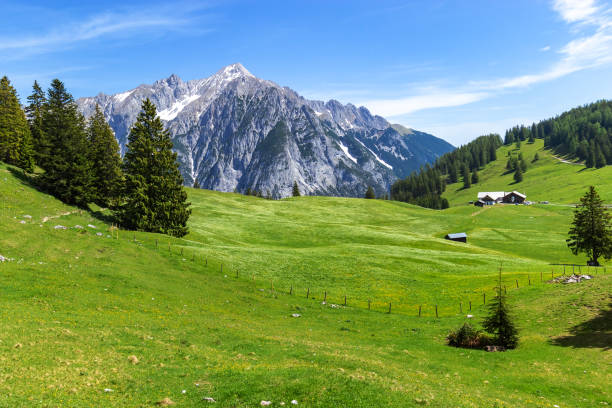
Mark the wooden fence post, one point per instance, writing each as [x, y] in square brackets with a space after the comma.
[505, 290]
[419, 310]
[368, 304]
[221, 268]
[470, 305]
[517, 283]
[529, 280]
[291, 290]
[307, 293]
[541, 276]
[182, 251]
[389, 307]
[563, 269]
[484, 298]
[344, 300]
[460, 308]
[206, 261]
[436, 311]
[325, 296]
[156, 243]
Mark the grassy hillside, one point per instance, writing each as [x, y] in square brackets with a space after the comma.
[548, 179]
[75, 306]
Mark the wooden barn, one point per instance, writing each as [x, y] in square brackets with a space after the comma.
[459, 237]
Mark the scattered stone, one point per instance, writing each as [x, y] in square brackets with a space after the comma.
[78, 226]
[165, 402]
[334, 306]
[294, 402]
[133, 359]
[209, 399]
[28, 217]
[59, 227]
[108, 390]
[22, 222]
[470, 316]
[184, 392]
[99, 234]
[495, 348]
[18, 346]
[571, 279]
[265, 403]
[3, 259]
[296, 315]
[92, 226]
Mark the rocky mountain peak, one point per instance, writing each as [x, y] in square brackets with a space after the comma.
[233, 131]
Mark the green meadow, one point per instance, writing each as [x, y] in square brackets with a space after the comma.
[212, 315]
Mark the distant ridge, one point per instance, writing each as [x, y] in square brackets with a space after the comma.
[234, 131]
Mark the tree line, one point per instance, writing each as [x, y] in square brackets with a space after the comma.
[584, 133]
[425, 187]
[80, 161]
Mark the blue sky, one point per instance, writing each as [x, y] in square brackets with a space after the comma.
[456, 69]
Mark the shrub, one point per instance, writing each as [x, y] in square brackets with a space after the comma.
[468, 337]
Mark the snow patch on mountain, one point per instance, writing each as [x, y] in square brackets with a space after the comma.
[378, 159]
[122, 96]
[176, 108]
[346, 152]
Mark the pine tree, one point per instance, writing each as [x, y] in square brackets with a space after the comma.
[154, 197]
[523, 165]
[518, 174]
[475, 177]
[600, 159]
[196, 184]
[370, 193]
[105, 159]
[590, 159]
[34, 111]
[68, 173]
[591, 230]
[452, 174]
[466, 176]
[518, 143]
[15, 139]
[296, 190]
[499, 322]
[536, 157]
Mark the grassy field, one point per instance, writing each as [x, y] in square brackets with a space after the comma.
[548, 179]
[75, 305]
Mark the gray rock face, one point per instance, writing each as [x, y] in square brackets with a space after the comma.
[233, 131]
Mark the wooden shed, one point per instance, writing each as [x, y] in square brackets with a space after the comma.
[459, 237]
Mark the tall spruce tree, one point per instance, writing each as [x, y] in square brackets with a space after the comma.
[370, 193]
[154, 197]
[68, 171]
[475, 177]
[15, 139]
[296, 190]
[518, 174]
[34, 111]
[105, 159]
[466, 176]
[591, 230]
[499, 322]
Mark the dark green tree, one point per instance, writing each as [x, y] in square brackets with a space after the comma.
[370, 193]
[15, 138]
[475, 177]
[68, 171]
[196, 184]
[590, 159]
[452, 174]
[466, 176]
[518, 143]
[154, 199]
[499, 322]
[591, 230]
[296, 190]
[600, 159]
[518, 174]
[105, 159]
[536, 157]
[34, 111]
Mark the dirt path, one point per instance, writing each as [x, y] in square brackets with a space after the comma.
[45, 219]
[566, 161]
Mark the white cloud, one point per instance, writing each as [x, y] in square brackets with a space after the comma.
[546, 48]
[588, 51]
[105, 24]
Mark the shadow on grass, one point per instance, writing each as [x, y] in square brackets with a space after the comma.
[31, 181]
[594, 333]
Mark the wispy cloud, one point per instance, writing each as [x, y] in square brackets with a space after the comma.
[585, 52]
[105, 24]
[546, 48]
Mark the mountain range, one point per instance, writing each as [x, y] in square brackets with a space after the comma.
[233, 131]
